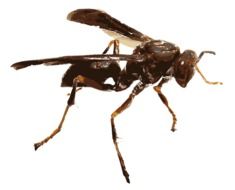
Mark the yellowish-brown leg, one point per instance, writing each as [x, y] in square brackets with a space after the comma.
[78, 79]
[58, 129]
[115, 43]
[165, 102]
[138, 88]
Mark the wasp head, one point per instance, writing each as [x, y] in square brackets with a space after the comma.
[184, 67]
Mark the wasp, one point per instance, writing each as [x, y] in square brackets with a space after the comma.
[153, 62]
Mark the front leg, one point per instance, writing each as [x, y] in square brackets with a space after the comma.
[165, 101]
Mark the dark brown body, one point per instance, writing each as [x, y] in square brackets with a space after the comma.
[158, 58]
[151, 61]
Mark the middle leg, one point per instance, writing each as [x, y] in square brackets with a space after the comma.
[137, 89]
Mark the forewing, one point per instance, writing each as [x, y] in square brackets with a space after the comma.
[77, 59]
[99, 18]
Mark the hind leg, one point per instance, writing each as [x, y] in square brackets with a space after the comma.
[70, 102]
[78, 80]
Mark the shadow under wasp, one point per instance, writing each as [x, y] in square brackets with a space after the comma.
[151, 61]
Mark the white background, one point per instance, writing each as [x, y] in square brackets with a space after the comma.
[199, 155]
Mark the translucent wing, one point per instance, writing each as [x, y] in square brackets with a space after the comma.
[110, 25]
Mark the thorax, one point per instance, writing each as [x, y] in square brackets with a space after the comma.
[159, 57]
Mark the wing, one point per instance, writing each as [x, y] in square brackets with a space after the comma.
[99, 18]
[77, 59]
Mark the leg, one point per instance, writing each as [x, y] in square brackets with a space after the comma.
[57, 130]
[79, 88]
[79, 79]
[165, 101]
[115, 43]
[138, 88]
